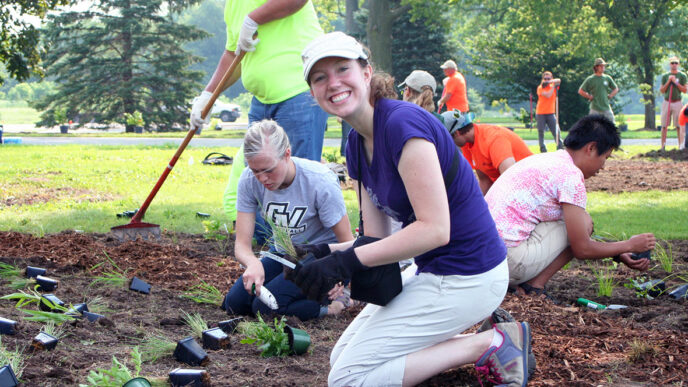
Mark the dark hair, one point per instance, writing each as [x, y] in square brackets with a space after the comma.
[466, 129]
[593, 128]
[381, 84]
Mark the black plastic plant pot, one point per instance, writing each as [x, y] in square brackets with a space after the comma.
[44, 341]
[33, 272]
[78, 310]
[188, 351]
[229, 326]
[7, 377]
[92, 317]
[680, 293]
[654, 288]
[215, 338]
[645, 254]
[7, 327]
[51, 299]
[137, 382]
[202, 215]
[188, 377]
[46, 284]
[139, 285]
[299, 340]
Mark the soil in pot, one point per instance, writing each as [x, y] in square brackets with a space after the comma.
[44, 341]
[216, 338]
[189, 377]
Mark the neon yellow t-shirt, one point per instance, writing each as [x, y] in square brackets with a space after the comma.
[273, 72]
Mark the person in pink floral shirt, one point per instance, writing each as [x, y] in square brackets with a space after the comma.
[539, 208]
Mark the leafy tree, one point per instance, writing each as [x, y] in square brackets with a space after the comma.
[118, 57]
[638, 23]
[19, 48]
[512, 46]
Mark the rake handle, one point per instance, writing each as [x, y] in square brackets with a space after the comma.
[218, 90]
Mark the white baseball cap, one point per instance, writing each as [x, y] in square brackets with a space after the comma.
[419, 78]
[337, 44]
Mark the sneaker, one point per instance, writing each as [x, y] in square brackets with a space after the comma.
[502, 316]
[507, 365]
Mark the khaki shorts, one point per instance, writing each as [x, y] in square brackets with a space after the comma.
[665, 115]
[533, 255]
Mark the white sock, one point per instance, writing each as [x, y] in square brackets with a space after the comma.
[497, 339]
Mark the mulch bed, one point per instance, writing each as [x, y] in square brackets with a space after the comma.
[644, 344]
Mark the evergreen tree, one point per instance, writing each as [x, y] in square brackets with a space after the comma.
[118, 57]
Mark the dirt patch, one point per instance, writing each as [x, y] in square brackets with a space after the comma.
[48, 194]
[640, 175]
[673, 154]
[573, 346]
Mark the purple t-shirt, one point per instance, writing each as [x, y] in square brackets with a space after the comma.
[475, 246]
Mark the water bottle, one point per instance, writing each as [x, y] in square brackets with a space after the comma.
[590, 304]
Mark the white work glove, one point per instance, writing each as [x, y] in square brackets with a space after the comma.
[246, 42]
[197, 108]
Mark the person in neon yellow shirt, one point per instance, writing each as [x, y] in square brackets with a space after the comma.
[271, 68]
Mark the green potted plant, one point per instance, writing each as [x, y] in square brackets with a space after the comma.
[135, 119]
[621, 120]
[60, 116]
[523, 117]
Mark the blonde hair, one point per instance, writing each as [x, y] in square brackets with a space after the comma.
[423, 99]
[265, 134]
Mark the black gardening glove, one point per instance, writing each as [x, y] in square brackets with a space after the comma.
[303, 252]
[320, 250]
[317, 277]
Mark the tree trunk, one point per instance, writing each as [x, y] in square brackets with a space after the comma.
[648, 69]
[379, 30]
[350, 24]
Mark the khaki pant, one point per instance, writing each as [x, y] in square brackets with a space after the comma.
[533, 255]
[607, 113]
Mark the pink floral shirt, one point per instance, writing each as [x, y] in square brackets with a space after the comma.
[531, 191]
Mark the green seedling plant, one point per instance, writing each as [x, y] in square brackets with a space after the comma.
[196, 323]
[204, 293]
[664, 255]
[112, 278]
[9, 271]
[213, 232]
[282, 238]
[15, 358]
[271, 342]
[605, 279]
[47, 317]
[24, 298]
[22, 283]
[117, 375]
[54, 330]
[156, 346]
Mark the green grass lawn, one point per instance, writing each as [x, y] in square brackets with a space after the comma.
[75, 187]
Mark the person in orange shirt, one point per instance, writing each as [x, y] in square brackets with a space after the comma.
[683, 123]
[490, 149]
[454, 93]
[544, 112]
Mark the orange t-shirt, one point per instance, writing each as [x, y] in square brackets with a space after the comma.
[682, 119]
[545, 105]
[456, 85]
[493, 144]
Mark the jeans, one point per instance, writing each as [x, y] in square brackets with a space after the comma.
[301, 117]
[547, 121]
[291, 301]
